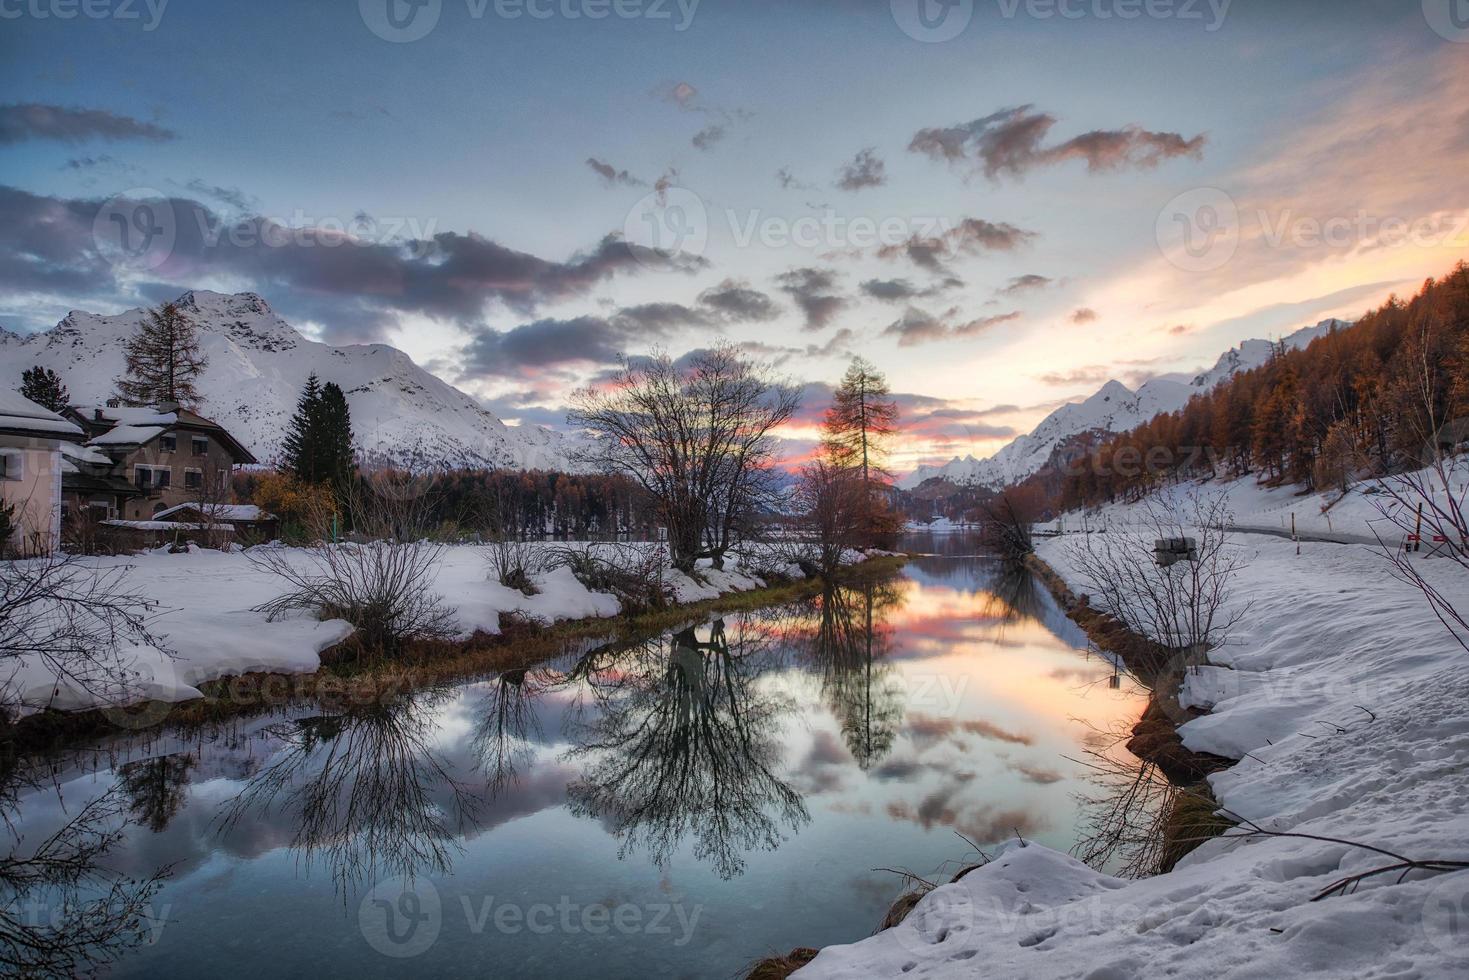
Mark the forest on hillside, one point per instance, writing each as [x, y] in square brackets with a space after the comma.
[1365, 400]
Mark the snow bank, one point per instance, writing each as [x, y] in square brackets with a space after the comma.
[1350, 699]
[206, 620]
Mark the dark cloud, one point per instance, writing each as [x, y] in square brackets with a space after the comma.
[813, 291]
[971, 236]
[737, 301]
[356, 288]
[1025, 283]
[88, 163]
[705, 138]
[864, 170]
[1083, 315]
[34, 121]
[611, 176]
[1037, 775]
[917, 326]
[902, 290]
[1012, 142]
[232, 196]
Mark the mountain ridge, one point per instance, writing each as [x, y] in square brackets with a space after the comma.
[1112, 408]
[258, 362]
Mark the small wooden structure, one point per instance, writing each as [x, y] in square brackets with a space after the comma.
[1169, 551]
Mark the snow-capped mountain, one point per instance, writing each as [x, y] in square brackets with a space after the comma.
[257, 365]
[1114, 408]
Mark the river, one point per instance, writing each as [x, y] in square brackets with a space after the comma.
[677, 807]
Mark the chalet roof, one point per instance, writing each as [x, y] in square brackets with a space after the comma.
[220, 512]
[78, 482]
[20, 414]
[120, 426]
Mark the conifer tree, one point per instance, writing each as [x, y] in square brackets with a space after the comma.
[299, 449]
[860, 420]
[163, 360]
[43, 386]
[335, 437]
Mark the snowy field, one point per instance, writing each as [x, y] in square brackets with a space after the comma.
[1347, 703]
[206, 620]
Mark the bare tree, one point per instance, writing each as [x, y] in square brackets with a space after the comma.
[1182, 606]
[75, 619]
[92, 915]
[696, 438]
[382, 585]
[833, 502]
[164, 360]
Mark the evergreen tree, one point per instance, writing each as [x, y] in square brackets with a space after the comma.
[318, 443]
[299, 449]
[163, 360]
[335, 438]
[43, 386]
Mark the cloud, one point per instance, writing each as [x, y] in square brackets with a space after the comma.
[737, 301]
[789, 180]
[611, 176]
[812, 291]
[357, 289]
[232, 196]
[1012, 142]
[35, 121]
[1095, 374]
[971, 236]
[917, 326]
[1037, 775]
[1025, 283]
[705, 138]
[1083, 315]
[864, 170]
[901, 290]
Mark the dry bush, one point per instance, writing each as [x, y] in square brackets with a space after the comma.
[1432, 503]
[515, 563]
[76, 618]
[1181, 606]
[381, 584]
[631, 573]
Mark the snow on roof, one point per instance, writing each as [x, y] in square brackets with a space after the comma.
[85, 454]
[128, 416]
[126, 435]
[223, 512]
[19, 412]
[168, 526]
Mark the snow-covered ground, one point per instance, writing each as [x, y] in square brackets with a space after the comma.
[206, 620]
[1347, 703]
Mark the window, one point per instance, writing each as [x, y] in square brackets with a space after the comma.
[11, 465]
[149, 477]
[193, 479]
[170, 442]
[201, 446]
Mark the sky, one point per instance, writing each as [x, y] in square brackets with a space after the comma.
[1000, 203]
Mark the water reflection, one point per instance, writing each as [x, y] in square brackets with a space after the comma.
[682, 746]
[715, 765]
[367, 792]
[846, 641]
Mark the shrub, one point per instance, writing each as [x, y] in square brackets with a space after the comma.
[633, 574]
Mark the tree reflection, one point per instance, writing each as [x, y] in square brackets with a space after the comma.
[1013, 596]
[157, 788]
[368, 793]
[63, 911]
[848, 644]
[501, 740]
[684, 745]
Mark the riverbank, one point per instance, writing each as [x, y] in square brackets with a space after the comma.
[223, 657]
[1341, 696]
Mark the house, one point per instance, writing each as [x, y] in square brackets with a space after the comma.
[248, 521]
[30, 472]
[157, 458]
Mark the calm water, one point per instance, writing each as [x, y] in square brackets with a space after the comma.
[678, 807]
